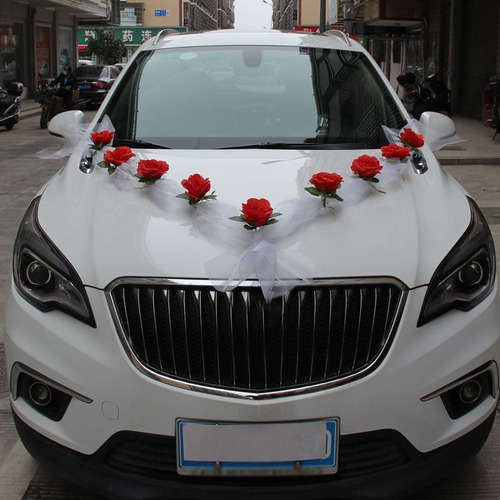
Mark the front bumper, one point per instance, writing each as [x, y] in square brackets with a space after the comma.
[385, 407]
[374, 465]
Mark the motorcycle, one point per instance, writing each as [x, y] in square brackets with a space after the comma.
[10, 104]
[431, 94]
[53, 104]
[491, 104]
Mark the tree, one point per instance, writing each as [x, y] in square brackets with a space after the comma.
[106, 46]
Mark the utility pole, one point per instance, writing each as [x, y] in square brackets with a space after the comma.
[322, 16]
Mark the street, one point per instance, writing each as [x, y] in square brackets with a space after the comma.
[22, 174]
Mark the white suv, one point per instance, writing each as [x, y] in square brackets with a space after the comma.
[253, 280]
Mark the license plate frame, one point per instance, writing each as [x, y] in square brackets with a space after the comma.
[211, 448]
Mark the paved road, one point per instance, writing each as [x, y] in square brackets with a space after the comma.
[22, 174]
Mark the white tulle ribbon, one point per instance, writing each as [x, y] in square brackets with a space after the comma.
[75, 135]
[392, 135]
[254, 255]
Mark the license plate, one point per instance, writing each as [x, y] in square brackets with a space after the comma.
[84, 86]
[246, 449]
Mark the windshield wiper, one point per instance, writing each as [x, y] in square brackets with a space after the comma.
[299, 145]
[137, 143]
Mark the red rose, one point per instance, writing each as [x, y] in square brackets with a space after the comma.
[256, 212]
[152, 169]
[101, 139]
[395, 151]
[326, 182]
[118, 156]
[410, 138]
[196, 186]
[366, 166]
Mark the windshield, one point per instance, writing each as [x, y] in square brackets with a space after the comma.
[216, 97]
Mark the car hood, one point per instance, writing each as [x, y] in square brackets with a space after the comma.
[108, 227]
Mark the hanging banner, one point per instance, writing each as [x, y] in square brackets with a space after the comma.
[333, 12]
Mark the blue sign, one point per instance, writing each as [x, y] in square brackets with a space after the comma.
[161, 13]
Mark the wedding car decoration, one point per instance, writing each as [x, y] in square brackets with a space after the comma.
[277, 271]
[197, 188]
[325, 185]
[256, 213]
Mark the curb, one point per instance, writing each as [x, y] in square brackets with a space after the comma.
[470, 161]
[29, 113]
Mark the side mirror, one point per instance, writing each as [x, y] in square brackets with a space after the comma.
[69, 125]
[438, 130]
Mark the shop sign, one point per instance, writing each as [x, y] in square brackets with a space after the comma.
[130, 35]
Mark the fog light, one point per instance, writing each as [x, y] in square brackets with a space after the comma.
[40, 394]
[470, 392]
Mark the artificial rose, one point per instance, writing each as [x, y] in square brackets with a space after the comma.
[118, 156]
[101, 139]
[410, 138]
[196, 186]
[326, 182]
[366, 166]
[256, 211]
[151, 170]
[396, 152]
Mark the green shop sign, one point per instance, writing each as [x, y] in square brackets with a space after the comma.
[130, 35]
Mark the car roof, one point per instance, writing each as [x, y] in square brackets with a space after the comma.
[333, 39]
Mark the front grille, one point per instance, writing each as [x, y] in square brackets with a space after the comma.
[154, 456]
[236, 340]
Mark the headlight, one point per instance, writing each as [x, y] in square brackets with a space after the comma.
[466, 275]
[42, 274]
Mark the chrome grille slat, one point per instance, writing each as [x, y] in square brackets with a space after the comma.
[237, 341]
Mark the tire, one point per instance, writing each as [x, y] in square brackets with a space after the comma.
[44, 118]
[10, 126]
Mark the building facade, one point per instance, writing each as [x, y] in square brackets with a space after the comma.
[39, 37]
[142, 20]
[194, 15]
[459, 38]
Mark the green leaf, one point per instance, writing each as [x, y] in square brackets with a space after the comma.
[238, 218]
[313, 191]
[144, 180]
[271, 221]
[250, 228]
[103, 164]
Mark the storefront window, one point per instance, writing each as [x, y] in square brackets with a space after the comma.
[42, 52]
[65, 48]
[11, 52]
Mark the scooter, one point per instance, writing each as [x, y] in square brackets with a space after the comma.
[491, 104]
[10, 104]
[431, 94]
[52, 104]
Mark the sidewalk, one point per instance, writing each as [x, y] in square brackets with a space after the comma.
[479, 147]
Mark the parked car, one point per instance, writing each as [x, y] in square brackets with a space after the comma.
[94, 81]
[257, 286]
[120, 66]
[85, 62]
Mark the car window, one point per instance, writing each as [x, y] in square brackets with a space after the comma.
[89, 71]
[230, 96]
